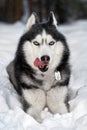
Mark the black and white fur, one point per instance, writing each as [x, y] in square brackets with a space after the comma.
[40, 89]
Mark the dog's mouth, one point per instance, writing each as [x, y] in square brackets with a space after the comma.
[43, 66]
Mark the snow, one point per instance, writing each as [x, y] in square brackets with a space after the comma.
[12, 117]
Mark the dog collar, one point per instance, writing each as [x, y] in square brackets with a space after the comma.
[57, 75]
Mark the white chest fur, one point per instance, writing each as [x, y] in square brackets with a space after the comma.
[48, 80]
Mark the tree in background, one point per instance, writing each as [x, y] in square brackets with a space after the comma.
[65, 10]
[11, 10]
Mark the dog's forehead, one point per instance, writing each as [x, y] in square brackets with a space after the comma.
[44, 36]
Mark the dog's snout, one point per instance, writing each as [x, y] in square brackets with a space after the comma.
[45, 58]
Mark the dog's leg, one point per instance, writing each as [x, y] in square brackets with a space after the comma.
[37, 100]
[56, 100]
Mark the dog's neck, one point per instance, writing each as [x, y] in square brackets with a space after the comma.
[47, 73]
[47, 76]
[48, 79]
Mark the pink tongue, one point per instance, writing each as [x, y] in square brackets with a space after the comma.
[38, 63]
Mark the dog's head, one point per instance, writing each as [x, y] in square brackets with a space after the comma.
[43, 46]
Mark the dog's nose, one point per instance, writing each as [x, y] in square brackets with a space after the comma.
[45, 58]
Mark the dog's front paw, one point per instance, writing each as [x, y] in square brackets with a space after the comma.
[36, 114]
[56, 100]
[45, 114]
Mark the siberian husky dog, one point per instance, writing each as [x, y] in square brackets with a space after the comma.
[40, 71]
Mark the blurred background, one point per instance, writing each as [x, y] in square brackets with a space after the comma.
[65, 10]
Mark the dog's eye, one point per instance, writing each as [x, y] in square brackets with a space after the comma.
[52, 43]
[36, 43]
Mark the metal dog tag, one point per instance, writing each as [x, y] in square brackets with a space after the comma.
[57, 75]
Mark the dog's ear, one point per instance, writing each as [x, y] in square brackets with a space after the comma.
[33, 19]
[52, 20]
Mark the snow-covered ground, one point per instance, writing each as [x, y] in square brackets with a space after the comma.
[12, 117]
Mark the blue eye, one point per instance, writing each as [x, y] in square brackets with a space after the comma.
[36, 43]
[52, 43]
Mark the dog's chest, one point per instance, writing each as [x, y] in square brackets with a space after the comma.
[47, 81]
